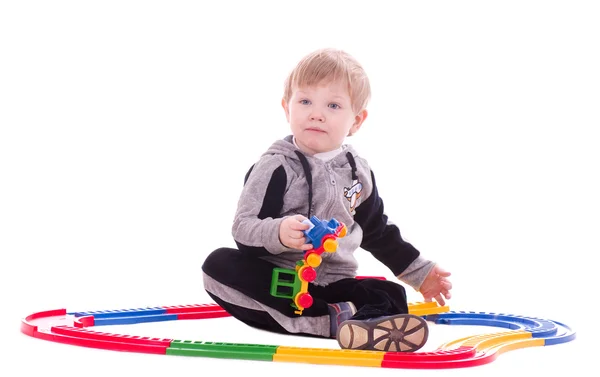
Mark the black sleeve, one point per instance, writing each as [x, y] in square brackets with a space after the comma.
[381, 239]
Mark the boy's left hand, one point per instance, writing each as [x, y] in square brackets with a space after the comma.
[436, 285]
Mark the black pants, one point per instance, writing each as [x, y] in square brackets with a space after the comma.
[251, 277]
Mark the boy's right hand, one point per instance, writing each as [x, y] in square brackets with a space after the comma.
[291, 233]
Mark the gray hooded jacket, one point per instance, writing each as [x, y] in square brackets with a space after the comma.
[285, 182]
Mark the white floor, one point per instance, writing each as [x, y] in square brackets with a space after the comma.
[126, 130]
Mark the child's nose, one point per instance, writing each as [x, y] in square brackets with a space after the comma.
[317, 117]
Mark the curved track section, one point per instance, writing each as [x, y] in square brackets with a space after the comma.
[516, 332]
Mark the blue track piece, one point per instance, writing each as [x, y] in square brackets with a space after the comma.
[546, 329]
[482, 322]
[551, 331]
[129, 320]
[564, 335]
[449, 317]
[120, 312]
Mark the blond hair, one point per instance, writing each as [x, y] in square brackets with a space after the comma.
[330, 65]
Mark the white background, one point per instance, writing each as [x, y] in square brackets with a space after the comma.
[127, 128]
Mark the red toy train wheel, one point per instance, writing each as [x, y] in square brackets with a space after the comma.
[305, 300]
[308, 274]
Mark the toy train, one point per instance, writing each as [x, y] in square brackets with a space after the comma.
[293, 284]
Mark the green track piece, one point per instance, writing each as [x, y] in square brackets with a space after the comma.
[222, 350]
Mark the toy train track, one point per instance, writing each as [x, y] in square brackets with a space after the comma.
[75, 328]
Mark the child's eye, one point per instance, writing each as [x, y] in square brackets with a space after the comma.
[304, 101]
[334, 106]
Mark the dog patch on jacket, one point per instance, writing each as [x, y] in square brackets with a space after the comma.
[352, 194]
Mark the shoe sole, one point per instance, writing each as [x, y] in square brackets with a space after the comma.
[397, 333]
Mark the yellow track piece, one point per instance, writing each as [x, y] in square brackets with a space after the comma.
[329, 356]
[518, 344]
[488, 341]
[427, 311]
[426, 308]
[496, 342]
[473, 340]
[454, 343]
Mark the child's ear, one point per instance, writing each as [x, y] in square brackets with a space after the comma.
[358, 121]
[286, 109]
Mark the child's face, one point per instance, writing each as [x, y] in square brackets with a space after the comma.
[321, 117]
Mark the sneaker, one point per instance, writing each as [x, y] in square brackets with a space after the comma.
[396, 333]
[340, 312]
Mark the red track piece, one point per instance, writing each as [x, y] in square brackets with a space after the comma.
[175, 309]
[370, 277]
[109, 337]
[30, 329]
[86, 338]
[116, 345]
[87, 321]
[199, 311]
[203, 315]
[477, 360]
[459, 353]
[27, 328]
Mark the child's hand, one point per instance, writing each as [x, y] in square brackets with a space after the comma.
[436, 285]
[291, 233]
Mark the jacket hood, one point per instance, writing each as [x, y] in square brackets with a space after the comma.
[287, 148]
